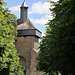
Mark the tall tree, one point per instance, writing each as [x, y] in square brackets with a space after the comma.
[57, 50]
[8, 54]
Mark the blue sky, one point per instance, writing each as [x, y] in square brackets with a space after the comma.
[38, 11]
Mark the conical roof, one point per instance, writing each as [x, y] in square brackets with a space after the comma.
[24, 4]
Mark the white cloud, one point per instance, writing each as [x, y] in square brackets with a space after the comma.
[41, 8]
[43, 20]
[15, 8]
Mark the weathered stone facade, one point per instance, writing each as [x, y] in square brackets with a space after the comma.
[28, 49]
[26, 42]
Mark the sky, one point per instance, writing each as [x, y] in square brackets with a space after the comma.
[38, 11]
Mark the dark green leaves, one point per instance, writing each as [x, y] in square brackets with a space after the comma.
[57, 50]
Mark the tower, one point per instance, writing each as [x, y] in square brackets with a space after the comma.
[24, 12]
[27, 42]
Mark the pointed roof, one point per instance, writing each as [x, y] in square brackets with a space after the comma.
[26, 25]
[28, 29]
[24, 4]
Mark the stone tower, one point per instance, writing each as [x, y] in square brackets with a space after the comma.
[27, 42]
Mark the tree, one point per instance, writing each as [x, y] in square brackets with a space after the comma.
[8, 54]
[57, 50]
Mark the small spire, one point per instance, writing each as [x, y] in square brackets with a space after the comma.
[24, 4]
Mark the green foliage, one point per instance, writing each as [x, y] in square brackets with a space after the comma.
[8, 54]
[51, 73]
[57, 48]
[21, 70]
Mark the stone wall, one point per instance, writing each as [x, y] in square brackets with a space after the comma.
[28, 49]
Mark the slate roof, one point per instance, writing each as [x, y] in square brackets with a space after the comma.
[26, 25]
[24, 4]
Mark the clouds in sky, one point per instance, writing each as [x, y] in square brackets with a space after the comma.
[41, 8]
[38, 8]
[43, 20]
[15, 8]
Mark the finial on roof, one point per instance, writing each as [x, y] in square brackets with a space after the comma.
[24, 4]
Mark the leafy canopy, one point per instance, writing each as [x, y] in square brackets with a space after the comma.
[8, 54]
[57, 50]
